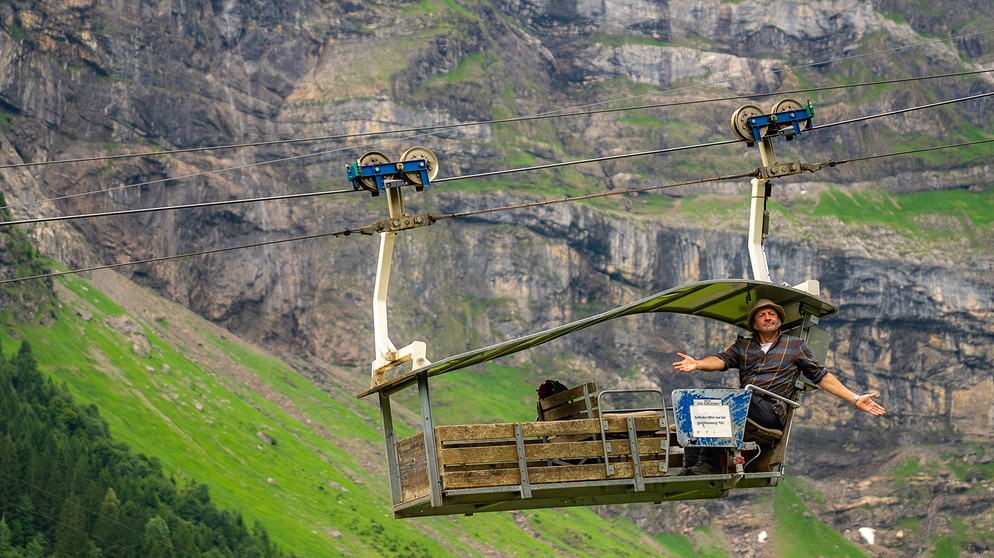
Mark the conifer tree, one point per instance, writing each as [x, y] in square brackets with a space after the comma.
[71, 540]
[156, 543]
[5, 543]
[107, 526]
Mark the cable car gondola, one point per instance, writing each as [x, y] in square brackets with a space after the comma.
[607, 455]
[584, 448]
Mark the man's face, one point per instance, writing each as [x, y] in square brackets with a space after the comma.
[766, 320]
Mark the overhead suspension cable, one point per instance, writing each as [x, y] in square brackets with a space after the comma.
[590, 160]
[742, 96]
[344, 232]
[752, 174]
[369, 230]
[571, 199]
[182, 177]
[292, 196]
[174, 207]
[351, 231]
[717, 81]
[490, 173]
[711, 144]
[904, 110]
[426, 130]
[910, 152]
[561, 113]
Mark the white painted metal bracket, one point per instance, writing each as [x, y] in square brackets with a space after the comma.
[387, 355]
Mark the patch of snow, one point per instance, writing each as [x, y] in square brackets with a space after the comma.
[868, 534]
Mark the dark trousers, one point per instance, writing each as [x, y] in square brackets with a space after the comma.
[761, 412]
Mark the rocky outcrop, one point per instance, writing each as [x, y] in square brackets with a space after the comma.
[740, 33]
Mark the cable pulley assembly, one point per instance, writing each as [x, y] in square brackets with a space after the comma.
[788, 118]
[374, 172]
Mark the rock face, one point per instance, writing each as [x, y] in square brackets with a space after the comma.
[899, 325]
[95, 82]
[743, 32]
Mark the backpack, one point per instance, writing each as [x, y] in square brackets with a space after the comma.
[550, 387]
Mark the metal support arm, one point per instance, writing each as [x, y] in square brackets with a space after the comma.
[759, 224]
[387, 355]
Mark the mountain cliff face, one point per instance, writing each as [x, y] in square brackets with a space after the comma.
[92, 81]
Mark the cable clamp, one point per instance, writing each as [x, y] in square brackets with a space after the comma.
[777, 170]
[397, 224]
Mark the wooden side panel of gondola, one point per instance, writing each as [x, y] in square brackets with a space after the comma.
[486, 455]
[544, 473]
[413, 465]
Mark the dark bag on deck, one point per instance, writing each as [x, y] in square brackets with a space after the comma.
[550, 387]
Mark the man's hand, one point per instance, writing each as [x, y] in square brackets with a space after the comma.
[866, 404]
[686, 364]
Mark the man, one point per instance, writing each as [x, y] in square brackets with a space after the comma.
[773, 361]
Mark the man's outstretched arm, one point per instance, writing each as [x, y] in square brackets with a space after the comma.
[865, 401]
[707, 364]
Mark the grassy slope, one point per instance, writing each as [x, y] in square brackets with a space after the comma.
[320, 490]
[942, 223]
[793, 517]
